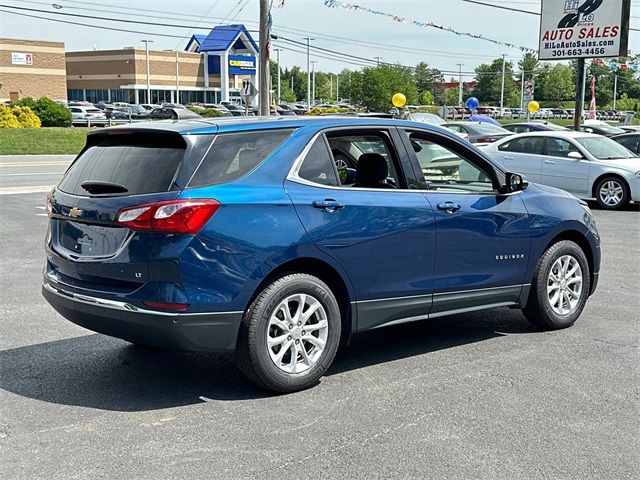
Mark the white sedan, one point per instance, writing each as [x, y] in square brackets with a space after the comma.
[584, 164]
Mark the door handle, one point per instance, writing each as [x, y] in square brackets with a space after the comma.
[328, 204]
[448, 207]
[551, 162]
[508, 157]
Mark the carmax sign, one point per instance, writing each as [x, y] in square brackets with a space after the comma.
[584, 29]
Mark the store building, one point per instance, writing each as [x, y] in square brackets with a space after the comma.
[31, 68]
[210, 69]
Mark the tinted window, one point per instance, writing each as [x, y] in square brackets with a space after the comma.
[128, 160]
[318, 166]
[233, 155]
[444, 169]
[632, 143]
[531, 145]
[561, 148]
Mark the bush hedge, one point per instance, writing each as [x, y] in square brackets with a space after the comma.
[50, 113]
[18, 117]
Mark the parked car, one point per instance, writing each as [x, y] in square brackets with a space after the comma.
[131, 111]
[524, 127]
[248, 239]
[629, 140]
[601, 128]
[479, 132]
[630, 128]
[149, 106]
[83, 115]
[165, 113]
[432, 119]
[584, 164]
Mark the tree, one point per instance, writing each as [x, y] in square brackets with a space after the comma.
[557, 85]
[373, 87]
[426, 98]
[489, 78]
[529, 63]
[450, 96]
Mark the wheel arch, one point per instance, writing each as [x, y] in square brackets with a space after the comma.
[605, 175]
[329, 275]
[580, 239]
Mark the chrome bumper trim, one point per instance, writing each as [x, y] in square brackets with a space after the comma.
[123, 306]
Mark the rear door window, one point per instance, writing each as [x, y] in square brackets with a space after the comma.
[233, 155]
[531, 145]
[317, 166]
[141, 162]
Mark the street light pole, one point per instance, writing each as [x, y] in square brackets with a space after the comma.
[313, 80]
[308, 39]
[460, 84]
[278, 61]
[504, 70]
[146, 48]
[615, 90]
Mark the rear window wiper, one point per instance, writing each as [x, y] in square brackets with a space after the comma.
[97, 188]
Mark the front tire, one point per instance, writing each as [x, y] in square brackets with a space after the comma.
[560, 287]
[290, 334]
[612, 193]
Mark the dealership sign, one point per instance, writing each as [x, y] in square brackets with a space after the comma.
[242, 65]
[584, 29]
[21, 58]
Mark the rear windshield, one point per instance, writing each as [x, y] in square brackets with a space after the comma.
[141, 162]
[233, 155]
[488, 128]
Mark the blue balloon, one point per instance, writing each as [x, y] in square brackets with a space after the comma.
[472, 103]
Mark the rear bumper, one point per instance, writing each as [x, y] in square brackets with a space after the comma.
[209, 332]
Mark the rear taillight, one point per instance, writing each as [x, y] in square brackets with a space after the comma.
[174, 216]
[486, 140]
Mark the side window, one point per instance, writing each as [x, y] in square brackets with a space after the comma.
[560, 148]
[317, 166]
[444, 169]
[233, 155]
[530, 145]
[456, 128]
[366, 158]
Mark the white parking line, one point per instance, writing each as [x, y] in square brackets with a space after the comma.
[23, 190]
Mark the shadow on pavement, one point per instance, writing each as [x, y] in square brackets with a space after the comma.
[100, 372]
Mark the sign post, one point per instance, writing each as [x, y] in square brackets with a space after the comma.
[580, 29]
[248, 93]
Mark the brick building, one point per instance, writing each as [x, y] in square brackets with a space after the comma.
[30, 68]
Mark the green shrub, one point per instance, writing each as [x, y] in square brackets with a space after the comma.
[50, 113]
[210, 112]
[327, 111]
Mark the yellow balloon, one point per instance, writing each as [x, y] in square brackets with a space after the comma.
[399, 100]
[533, 107]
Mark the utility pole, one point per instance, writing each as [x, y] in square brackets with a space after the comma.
[337, 87]
[330, 86]
[615, 90]
[308, 39]
[146, 48]
[264, 71]
[313, 80]
[504, 71]
[278, 61]
[178, 77]
[378, 59]
[522, 90]
[459, 84]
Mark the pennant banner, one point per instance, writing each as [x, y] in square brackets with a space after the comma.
[399, 19]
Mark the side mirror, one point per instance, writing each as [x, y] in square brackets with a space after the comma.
[515, 182]
[574, 156]
[347, 176]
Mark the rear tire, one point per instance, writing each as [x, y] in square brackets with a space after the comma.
[612, 193]
[560, 287]
[290, 334]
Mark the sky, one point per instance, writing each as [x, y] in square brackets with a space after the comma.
[361, 34]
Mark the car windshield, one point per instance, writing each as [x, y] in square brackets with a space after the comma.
[553, 126]
[604, 148]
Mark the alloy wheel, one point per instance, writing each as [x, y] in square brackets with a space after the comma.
[297, 333]
[564, 285]
[611, 193]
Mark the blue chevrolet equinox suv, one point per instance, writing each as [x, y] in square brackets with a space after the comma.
[278, 239]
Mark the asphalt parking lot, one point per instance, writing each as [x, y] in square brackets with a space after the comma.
[480, 395]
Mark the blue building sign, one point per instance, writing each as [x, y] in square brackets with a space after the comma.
[242, 65]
